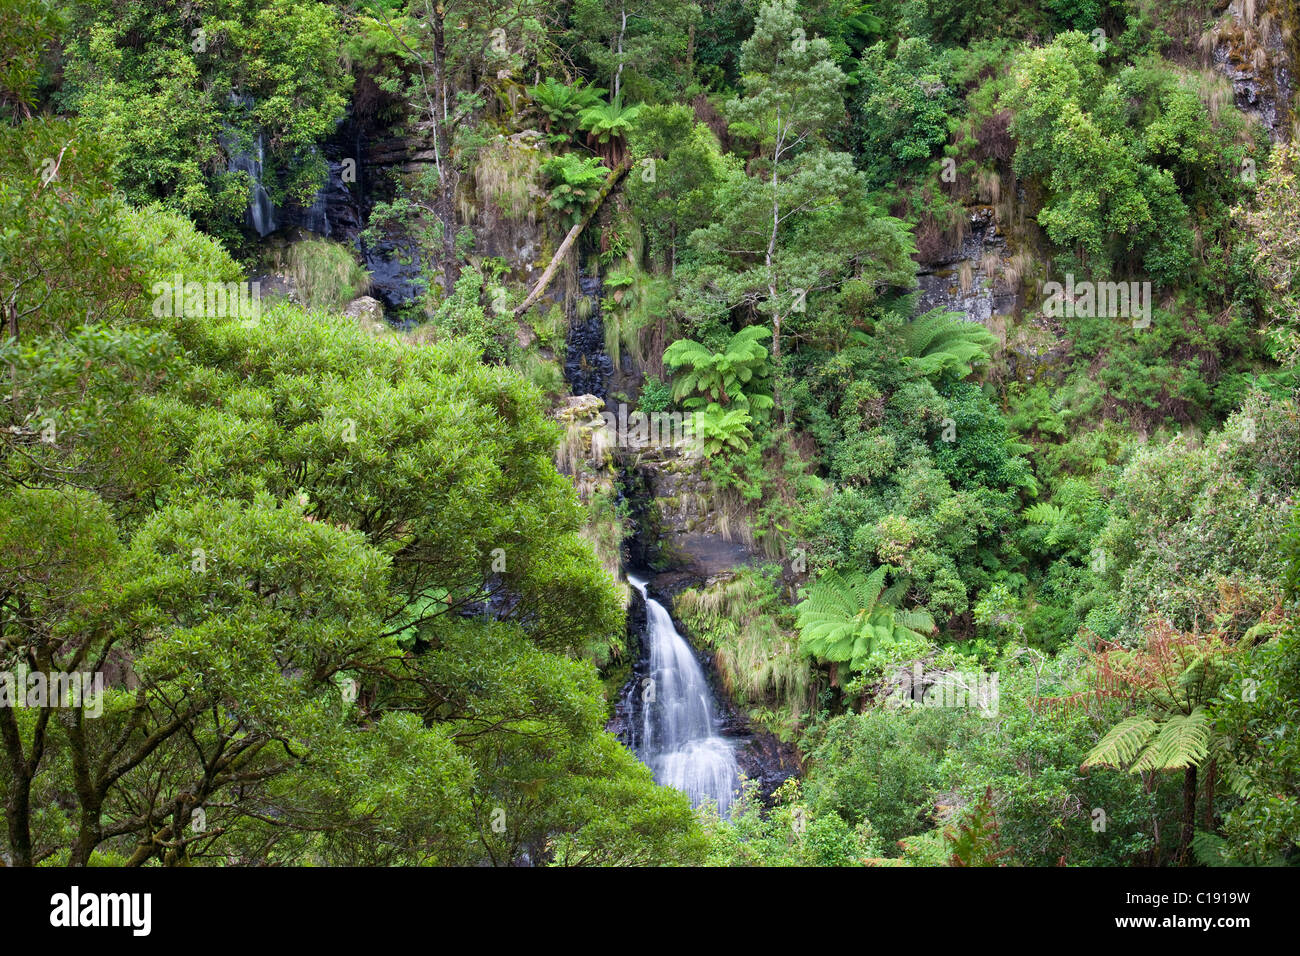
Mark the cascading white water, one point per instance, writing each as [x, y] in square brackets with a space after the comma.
[678, 739]
[261, 211]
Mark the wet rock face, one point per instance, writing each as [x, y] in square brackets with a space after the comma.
[336, 211]
[358, 174]
[959, 282]
[679, 525]
[587, 367]
[627, 719]
[396, 270]
[768, 760]
[1258, 58]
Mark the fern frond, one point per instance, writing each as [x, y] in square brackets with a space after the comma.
[1210, 849]
[1122, 743]
[1043, 513]
[940, 342]
[1183, 741]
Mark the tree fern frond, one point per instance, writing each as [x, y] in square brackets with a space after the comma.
[1210, 849]
[941, 342]
[916, 621]
[1122, 743]
[1183, 741]
[1043, 513]
[846, 617]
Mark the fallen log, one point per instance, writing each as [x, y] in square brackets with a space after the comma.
[619, 172]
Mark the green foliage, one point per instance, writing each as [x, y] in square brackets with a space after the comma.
[656, 396]
[300, 505]
[27, 27]
[688, 169]
[633, 301]
[575, 181]
[900, 109]
[1221, 505]
[1113, 177]
[880, 768]
[853, 618]
[942, 343]
[1262, 759]
[607, 122]
[347, 606]
[984, 453]
[790, 834]
[732, 377]
[462, 317]
[726, 389]
[1030, 756]
[1273, 225]
[169, 86]
[640, 48]
[561, 102]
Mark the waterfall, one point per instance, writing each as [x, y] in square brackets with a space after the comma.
[678, 739]
[261, 211]
[260, 214]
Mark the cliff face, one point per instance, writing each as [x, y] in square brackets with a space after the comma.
[1255, 45]
[989, 265]
[971, 279]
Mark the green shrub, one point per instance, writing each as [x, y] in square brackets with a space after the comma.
[882, 767]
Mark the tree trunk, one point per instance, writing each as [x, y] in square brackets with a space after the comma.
[442, 146]
[1207, 817]
[770, 262]
[18, 808]
[18, 813]
[617, 85]
[1189, 815]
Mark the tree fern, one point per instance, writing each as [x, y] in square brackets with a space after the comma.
[1141, 743]
[607, 121]
[1183, 741]
[851, 618]
[1173, 676]
[561, 102]
[1122, 743]
[940, 343]
[734, 376]
[717, 428]
[1060, 527]
[575, 182]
